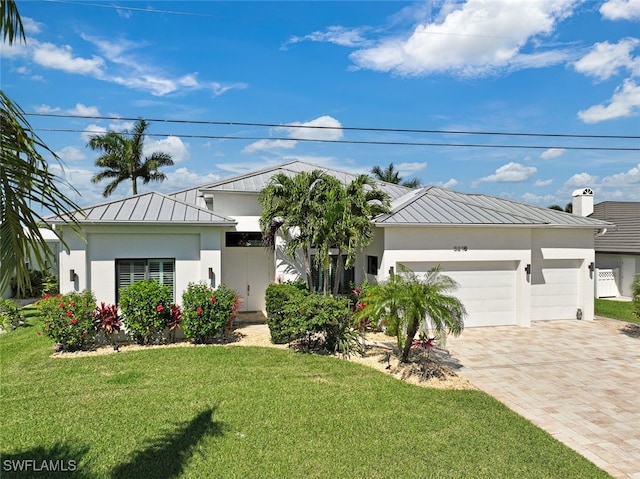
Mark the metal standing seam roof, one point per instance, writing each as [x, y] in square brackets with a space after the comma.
[437, 206]
[255, 181]
[150, 208]
[626, 237]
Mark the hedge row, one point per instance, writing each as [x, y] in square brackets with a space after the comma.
[145, 312]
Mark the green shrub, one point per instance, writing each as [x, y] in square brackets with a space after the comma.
[40, 282]
[206, 311]
[636, 295]
[144, 306]
[10, 315]
[327, 316]
[276, 297]
[68, 319]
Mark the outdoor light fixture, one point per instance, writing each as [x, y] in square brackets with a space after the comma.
[210, 273]
[579, 314]
[391, 271]
[592, 267]
[527, 269]
[72, 275]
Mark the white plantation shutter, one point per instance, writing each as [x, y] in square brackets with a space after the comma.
[131, 271]
[162, 270]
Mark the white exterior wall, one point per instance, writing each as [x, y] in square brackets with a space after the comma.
[375, 248]
[236, 204]
[194, 249]
[628, 267]
[437, 245]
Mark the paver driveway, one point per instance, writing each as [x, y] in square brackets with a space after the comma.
[578, 380]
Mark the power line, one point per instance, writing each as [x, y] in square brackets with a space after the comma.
[357, 142]
[345, 128]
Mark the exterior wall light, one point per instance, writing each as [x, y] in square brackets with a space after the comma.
[72, 275]
[527, 269]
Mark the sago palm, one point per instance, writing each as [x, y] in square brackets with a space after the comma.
[417, 304]
[123, 159]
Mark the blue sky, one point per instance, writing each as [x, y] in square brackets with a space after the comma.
[543, 66]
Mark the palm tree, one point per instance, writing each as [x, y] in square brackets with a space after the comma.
[416, 303]
[345, 223]
[391, 175]
[123, 158]
[25, 180]
[290, 206]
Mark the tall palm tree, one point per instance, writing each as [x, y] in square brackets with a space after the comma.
[391, 175]
[345, 222]
[25, 180]
[416, 303]
[123, 158]
[289, 207]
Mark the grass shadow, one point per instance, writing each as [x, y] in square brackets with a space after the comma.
[631, 330]
[59, 460]
[167, 456]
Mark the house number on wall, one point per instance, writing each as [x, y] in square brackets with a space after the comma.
[460, 248]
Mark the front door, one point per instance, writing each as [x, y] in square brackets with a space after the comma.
[248, 271]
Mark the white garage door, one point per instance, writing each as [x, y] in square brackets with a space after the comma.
[487, 289]
[555, 288]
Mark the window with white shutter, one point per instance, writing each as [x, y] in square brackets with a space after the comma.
[129, 271]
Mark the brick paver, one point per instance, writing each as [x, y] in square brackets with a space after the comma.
[578, 380]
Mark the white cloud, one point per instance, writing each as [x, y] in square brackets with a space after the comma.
[71, 153]
[624, 102]
[338, 35]
[182, 178]
[447, 184]
[606, 59]
[509, 173]
[534, 199]
[322, 128]
[82, 110]
[46, 109]
[410, 168]
[476, 38]
[264, 145]
[92, 130]
[629, 178]
[171, 145]
[581, 180]
[62, 58]
[621, 10]
[552, 153]
[31, 27]
[543, 182]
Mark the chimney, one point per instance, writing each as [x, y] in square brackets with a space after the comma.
[582, 202]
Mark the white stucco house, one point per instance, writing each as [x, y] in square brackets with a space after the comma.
[514, 262]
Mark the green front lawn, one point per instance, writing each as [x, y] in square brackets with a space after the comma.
[622, 310]
[254, 412]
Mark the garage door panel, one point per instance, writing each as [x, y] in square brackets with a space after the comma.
[487, 289]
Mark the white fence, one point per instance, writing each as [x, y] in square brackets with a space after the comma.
[606, 283]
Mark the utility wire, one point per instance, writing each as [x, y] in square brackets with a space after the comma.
[344, 128]
[357, 142]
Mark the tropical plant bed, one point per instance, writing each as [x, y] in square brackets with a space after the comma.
[440, 367]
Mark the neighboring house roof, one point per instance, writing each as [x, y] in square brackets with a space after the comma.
[255, 181]
[148, 208]
[626, 216]
[438, 206]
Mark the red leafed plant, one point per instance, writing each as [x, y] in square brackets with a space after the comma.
[106, 319]
[174, 320]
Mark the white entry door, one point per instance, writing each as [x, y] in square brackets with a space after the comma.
[248, 271]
